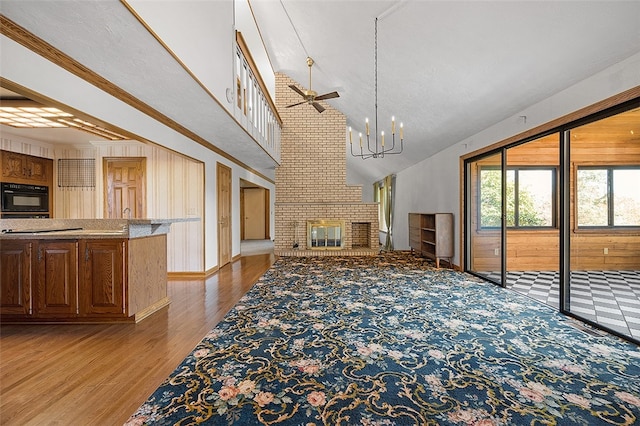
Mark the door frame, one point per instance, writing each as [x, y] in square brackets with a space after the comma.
[220, 184]
[267, 208]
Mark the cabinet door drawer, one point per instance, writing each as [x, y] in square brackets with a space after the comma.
[57, 277]
[23, 168]
[102, 284]
[15, 278]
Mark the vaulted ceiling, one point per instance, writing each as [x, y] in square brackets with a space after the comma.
[446, 69]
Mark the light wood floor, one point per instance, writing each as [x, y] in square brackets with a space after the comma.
[100, 374]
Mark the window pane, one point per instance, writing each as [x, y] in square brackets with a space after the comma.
[626, 197]
[592, 197]
[535, 198]
[382, 223]
[490, 196]
[511, 198]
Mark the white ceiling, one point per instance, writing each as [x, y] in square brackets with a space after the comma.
[447, 69]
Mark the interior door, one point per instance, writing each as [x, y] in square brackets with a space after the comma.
[254, 214]
[224, 214]
[124, 188]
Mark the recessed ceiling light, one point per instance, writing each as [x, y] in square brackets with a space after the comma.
[29, 114]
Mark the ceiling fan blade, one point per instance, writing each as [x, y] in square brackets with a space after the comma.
[299, 103]
[318, 107]
[327, 96]
[295, 89]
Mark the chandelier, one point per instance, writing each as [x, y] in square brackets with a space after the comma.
[377, 149]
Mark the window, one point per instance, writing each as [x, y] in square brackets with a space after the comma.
[608, 196]
[531, 197]
[239, 80]
[379, 196]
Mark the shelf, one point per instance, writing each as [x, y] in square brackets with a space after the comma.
[431, 235]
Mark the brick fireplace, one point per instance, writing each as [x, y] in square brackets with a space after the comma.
[311, 182]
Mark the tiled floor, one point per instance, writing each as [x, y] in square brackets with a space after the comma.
[610, 298]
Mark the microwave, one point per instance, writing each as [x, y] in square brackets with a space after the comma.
[22, 198]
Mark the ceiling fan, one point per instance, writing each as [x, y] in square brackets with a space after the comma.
[310, 97]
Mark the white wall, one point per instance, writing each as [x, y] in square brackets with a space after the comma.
[245, 23]
[201, 34]
[433, 185]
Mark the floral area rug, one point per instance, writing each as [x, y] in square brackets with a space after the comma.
[389, 340]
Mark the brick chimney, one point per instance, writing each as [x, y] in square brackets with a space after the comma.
[311, 180]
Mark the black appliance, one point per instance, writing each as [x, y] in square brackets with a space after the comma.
[22, 200]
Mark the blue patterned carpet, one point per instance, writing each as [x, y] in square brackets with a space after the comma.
[390, 340]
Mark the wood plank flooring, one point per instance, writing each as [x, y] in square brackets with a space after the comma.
[99, 374]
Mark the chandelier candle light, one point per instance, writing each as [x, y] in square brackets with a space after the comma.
[379, 150]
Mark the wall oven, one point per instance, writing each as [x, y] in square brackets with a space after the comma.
[23, 201]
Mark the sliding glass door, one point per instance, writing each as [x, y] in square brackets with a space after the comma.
[604, 285]
[557, 218]
[513, 217]
[532, 237]
[484, 218]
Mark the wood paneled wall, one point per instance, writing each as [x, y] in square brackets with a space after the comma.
[593, 144]
[175, 190]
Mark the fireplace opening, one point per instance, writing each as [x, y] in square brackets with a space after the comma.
[325, 234]
[360, 232]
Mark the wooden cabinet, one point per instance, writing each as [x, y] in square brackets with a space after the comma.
[22, 168]
[39, 169]
[57, 278]
[82, 280]
[102, 269]
[431, 235]
[16, 277]
[38, 278]
[72, 278]
[13, 166]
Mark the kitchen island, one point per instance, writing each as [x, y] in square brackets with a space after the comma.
[83, 270]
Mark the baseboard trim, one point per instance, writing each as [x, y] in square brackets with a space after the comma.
[139, 316]
[186, 275]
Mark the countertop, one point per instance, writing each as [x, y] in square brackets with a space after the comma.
[86, 228]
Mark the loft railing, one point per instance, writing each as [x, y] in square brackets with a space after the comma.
[253, 107]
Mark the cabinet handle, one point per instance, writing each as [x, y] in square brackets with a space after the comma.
[86, 254]
[39, 254]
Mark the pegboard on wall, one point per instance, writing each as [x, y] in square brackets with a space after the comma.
[76, 173]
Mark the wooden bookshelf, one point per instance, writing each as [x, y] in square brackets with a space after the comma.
[431, 235]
